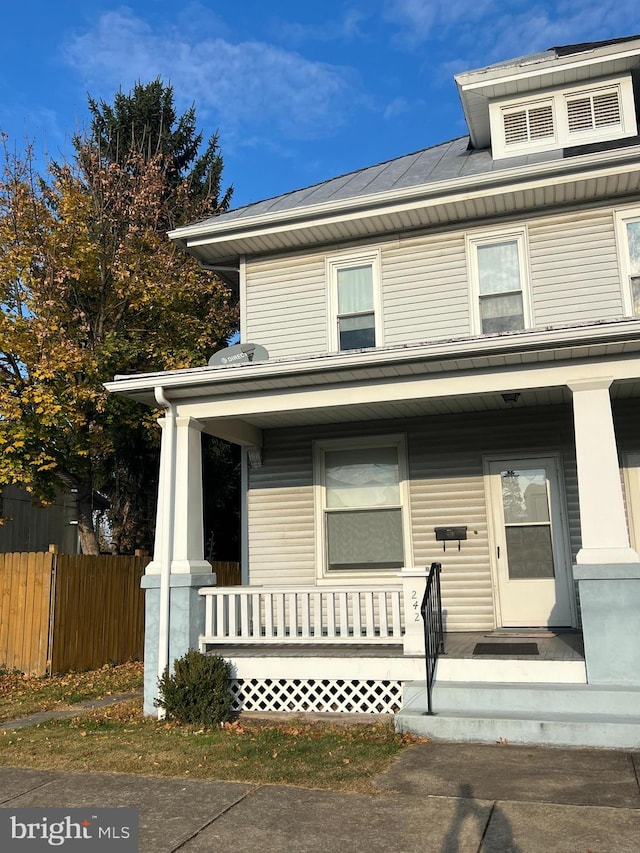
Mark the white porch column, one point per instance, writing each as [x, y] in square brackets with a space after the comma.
[153, 568]
[602, 516]
[188, 525]
[172, 628]
[607, 570]
[187, 511]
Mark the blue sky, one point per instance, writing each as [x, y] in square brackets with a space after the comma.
[298, 91]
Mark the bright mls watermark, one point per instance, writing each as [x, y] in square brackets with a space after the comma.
[84, 830]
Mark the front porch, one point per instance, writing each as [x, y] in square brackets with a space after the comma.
[452, 470]
[347, 649]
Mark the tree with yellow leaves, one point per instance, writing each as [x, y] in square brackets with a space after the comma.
[90, 286]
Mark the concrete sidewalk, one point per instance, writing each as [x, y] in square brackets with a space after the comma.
[436, 798]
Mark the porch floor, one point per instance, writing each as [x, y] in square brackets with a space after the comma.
[552, 646]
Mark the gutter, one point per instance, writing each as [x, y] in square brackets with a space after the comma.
[463, 188]
[527, 341]
[168, 491]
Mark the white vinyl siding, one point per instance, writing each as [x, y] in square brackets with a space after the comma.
[446, 487]
[425, 290]
[281, 512]
[572, 265]
[286, 305]
[574, 268]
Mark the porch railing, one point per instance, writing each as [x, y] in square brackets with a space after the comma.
[431, 610]
[302, 615]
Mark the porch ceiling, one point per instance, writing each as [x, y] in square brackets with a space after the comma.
[426, 407]
[407, 409]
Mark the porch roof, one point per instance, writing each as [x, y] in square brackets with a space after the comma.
[433, 377]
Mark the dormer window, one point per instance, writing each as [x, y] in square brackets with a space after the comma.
[564, 117]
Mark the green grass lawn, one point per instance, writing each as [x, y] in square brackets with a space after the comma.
[120, 740]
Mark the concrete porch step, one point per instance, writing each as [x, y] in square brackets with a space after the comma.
[556, 715]
[524, 699]
[511, 670]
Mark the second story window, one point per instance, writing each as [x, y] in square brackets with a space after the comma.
[628, 226]
[354, 302]
[499, 283]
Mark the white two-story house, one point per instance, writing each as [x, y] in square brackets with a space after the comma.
[453, 376]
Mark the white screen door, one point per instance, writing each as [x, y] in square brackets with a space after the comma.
[530, 554]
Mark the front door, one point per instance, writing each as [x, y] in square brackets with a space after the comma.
[531, 565]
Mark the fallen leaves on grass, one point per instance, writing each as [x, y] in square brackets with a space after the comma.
[120, 739]
[21, 695]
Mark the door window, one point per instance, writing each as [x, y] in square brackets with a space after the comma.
[525, 500]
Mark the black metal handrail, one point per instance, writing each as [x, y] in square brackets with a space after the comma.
[431, 610]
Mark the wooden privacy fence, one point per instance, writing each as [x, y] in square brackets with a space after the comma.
[62, 612]
[227, 574]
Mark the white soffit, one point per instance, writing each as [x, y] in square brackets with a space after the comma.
[548, 184]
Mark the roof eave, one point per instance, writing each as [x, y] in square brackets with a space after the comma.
[201, 239]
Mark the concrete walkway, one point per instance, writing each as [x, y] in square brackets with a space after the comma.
[436, 798]
[70, 711]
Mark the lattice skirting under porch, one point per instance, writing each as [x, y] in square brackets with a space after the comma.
[298, 695]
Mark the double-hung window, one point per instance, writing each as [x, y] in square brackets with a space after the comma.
[628, 227]
[362, 488]
[499, 283]
[354, 301]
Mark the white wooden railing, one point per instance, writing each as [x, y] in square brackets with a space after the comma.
[255, 615]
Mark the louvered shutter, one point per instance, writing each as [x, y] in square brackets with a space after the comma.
[592, 111]
[529, 124]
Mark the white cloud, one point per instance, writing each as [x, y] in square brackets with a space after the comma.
[244, 84]
[493, 30]
[350, 27]
[397, 107]
[423, 19]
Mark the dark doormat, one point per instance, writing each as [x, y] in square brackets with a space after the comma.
[499, 649]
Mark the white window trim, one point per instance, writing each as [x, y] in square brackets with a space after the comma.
[350, 259]
[559, 97]
[488, 238]
[497, 112]
[622, 216]
[344, 576]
